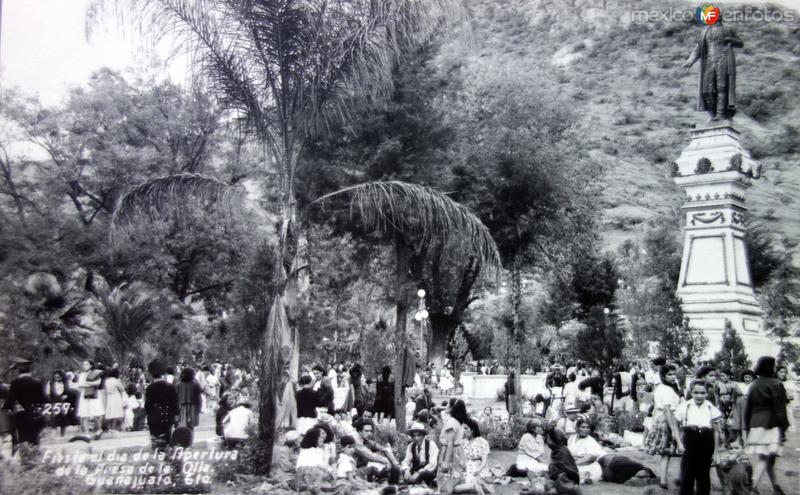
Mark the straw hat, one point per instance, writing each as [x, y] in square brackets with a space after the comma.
[417, 427]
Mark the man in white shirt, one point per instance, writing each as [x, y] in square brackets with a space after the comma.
[236, 423]
[419, 464]
[700, 421]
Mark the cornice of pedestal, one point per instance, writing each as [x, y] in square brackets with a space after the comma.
[714, 150]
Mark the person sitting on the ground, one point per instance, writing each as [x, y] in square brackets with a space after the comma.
[531, 451]
[562, 469]
[586, 452]
[426, 418]
[424, 402]
[287, 456]
[476, 453]
[313, 469]
[375, 461]
[329, 445]
[346, 470]
[365, 416]
[568, 424]
[236, 423]
[419, 464]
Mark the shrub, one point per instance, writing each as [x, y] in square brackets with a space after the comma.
[504, 436]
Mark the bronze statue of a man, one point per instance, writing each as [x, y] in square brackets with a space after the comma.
[717, 70]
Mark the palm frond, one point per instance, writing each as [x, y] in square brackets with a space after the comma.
[420, 212]
[165, 197]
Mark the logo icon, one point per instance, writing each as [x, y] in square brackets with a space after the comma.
[708, 14]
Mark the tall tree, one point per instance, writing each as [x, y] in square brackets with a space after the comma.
[415, 217]
[732, 354]
[522, 174]
[288, 69]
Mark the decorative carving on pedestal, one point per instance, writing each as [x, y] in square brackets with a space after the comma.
[707, 217]
[715, 283]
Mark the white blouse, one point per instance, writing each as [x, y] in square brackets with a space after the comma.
[664, 396]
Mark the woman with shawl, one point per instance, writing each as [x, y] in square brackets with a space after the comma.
[189, 399]
[562, 469]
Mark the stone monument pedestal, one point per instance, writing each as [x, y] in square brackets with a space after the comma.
[715, 285]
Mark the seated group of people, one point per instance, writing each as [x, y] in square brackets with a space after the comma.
[578, 458]
[458, 458]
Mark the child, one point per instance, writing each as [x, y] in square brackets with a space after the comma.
[132, 404]
[700, 421]
[346, 471]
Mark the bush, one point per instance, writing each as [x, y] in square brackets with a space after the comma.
[504, 436]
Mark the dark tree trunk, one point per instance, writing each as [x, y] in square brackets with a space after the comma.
[403, 289]
[518, 328]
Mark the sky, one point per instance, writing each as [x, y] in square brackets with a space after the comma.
[44, 49]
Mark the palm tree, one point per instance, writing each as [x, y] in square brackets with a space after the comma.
[416, 218]
[127, 313]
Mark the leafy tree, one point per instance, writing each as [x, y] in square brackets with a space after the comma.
[732, 354]
[781, 300]
[649, 279]
[521, 174]
[601, 342]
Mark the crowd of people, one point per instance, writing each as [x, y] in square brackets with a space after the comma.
[336, 427]
[98, 400]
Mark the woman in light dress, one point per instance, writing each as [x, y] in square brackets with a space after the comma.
[530, 451]
[476, 452]
[664, 438]
[586, 451]
[115, 401]
[90, 404]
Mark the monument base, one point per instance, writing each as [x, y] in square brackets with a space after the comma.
[715, 285]
[712, 324]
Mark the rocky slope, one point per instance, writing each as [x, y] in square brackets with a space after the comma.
[623, 76]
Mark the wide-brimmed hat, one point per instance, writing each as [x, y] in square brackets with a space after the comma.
[417, 427]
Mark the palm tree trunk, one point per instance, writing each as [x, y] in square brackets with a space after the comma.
[518, 328]
[403, 283]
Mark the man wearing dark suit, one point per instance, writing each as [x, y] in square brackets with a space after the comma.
[25, 400]
[161, 406]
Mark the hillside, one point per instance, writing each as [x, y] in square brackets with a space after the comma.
[637, 106]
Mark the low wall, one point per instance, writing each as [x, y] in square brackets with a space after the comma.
[486, 386]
